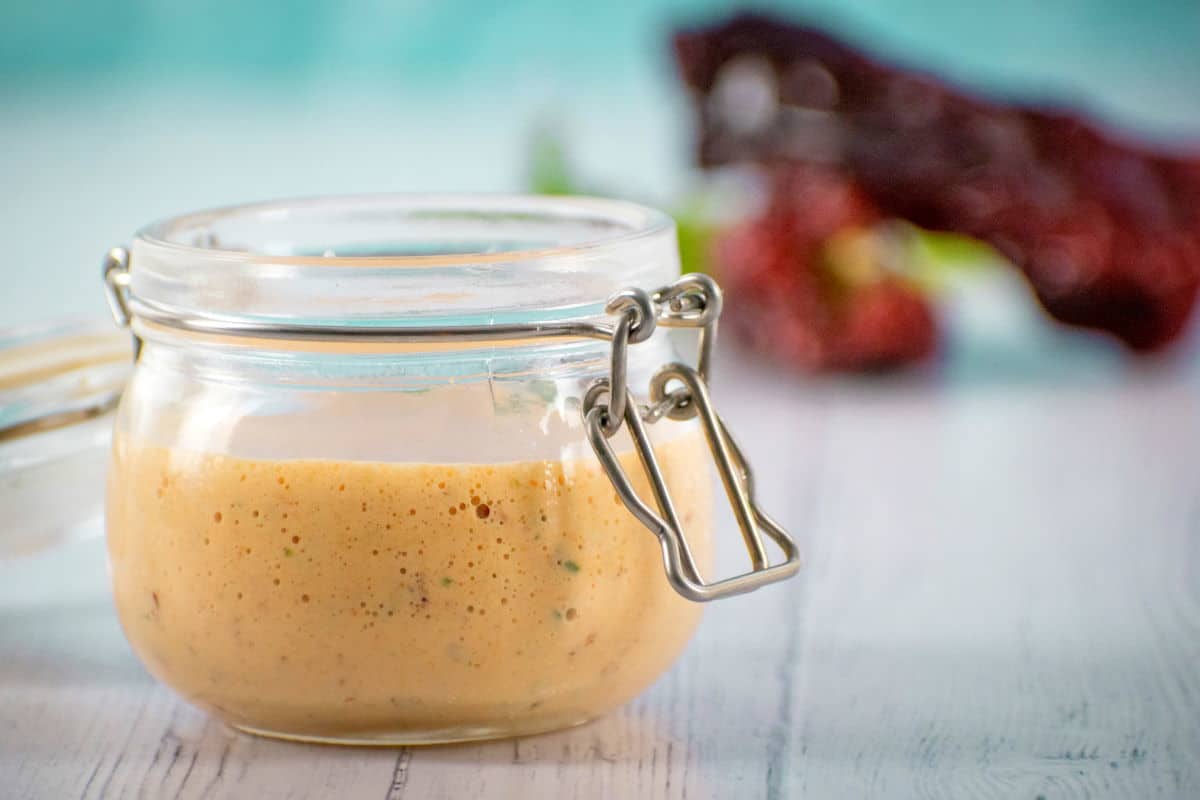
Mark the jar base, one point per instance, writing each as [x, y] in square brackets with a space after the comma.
[418, 738]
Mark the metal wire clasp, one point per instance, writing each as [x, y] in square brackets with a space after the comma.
[115, 271]
[692, 301]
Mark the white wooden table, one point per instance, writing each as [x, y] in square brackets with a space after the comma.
[1002, 599]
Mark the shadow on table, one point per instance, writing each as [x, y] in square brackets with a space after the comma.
[617, 738]
[73, 644]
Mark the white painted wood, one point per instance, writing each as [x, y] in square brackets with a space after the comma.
[1002, 599]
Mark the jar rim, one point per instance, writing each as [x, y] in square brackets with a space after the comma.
[629, 222]
[403, 259]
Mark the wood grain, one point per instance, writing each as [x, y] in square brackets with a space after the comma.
[1001, 599]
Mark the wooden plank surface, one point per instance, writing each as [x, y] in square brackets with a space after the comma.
[1001, 599]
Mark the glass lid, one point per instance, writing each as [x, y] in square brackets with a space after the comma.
[59, 385]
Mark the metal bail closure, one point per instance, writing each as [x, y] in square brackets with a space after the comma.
[115, 270]
[735, 475]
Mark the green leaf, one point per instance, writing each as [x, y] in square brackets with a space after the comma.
[935, 260]
[696, 237]
[549, 172]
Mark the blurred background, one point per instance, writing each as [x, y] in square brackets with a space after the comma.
[957, 338]
[115, 113]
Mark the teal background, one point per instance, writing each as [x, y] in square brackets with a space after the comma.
[1139, 61]
[117, 112]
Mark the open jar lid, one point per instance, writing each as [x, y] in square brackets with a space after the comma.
[59, 386]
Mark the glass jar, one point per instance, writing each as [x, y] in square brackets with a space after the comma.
[366, 483]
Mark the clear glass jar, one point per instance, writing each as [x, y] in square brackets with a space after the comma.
[354, 540]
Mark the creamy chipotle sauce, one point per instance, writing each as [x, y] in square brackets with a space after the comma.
[360, 600]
